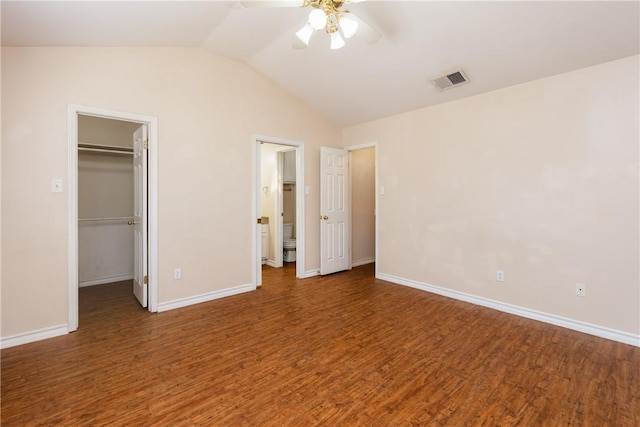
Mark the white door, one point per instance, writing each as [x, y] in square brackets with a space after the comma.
[334, 210]
[140, 214]
[279, 213]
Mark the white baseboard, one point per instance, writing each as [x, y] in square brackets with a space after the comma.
[210, 296]
[360, 262]
[33, 336]
[310, 273]
[271, 263]
[104, 280]
[576, 325]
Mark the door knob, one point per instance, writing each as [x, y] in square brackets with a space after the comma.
[324, 217]
[131, 222]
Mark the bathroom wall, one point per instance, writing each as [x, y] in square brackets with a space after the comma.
[289, 205]
[363, 206]
[269, 184]
[289, 189]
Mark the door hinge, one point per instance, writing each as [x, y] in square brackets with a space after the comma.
[145, 280]
[259, 220]
[146, 144]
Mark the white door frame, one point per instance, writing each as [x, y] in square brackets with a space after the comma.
[373, 145]
[256, 140]
[72, 208]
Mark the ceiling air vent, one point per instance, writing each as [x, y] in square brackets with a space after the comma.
[448, 81]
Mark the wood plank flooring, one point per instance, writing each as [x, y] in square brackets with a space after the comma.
[342, 350]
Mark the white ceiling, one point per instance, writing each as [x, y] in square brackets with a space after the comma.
[497, 44]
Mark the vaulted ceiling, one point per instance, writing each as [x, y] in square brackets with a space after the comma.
[498, 44]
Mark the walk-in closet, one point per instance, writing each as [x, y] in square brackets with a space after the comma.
[105, 200]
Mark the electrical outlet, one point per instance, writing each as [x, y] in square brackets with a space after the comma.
[581, 289]
[177, 274]
[499, 276]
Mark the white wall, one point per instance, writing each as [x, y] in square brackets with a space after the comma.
[208, 107]
[105, 190]
[540, 180]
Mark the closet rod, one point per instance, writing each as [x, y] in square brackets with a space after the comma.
[105, 149]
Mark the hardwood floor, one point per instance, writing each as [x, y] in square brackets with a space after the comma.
[346, 349]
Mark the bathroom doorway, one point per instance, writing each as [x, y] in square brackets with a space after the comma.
[278, 205]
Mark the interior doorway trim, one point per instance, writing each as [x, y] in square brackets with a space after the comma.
[72, 209]
[256, 201]
[350, 149]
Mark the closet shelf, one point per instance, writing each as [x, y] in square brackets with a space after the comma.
[111, 219]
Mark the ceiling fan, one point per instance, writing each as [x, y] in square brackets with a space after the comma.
[331, 15]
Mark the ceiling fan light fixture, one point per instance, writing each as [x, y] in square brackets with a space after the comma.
[317, 19]
[339, 23]
[348, 25]
[304, 34]
[336, 41]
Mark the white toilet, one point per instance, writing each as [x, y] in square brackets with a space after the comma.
[288, 243]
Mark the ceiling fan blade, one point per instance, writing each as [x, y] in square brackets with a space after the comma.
[298, 44]
[271, 3]
[365, 31]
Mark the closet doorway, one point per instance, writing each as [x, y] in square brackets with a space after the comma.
[113, 204]
[363, 177]
[348, 208]
[105, 200]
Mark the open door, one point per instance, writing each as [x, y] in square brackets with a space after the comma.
[278, 256]
[140, 214]
[335, 234]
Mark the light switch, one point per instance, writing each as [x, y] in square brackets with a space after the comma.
[56, 186]
[381, 190]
